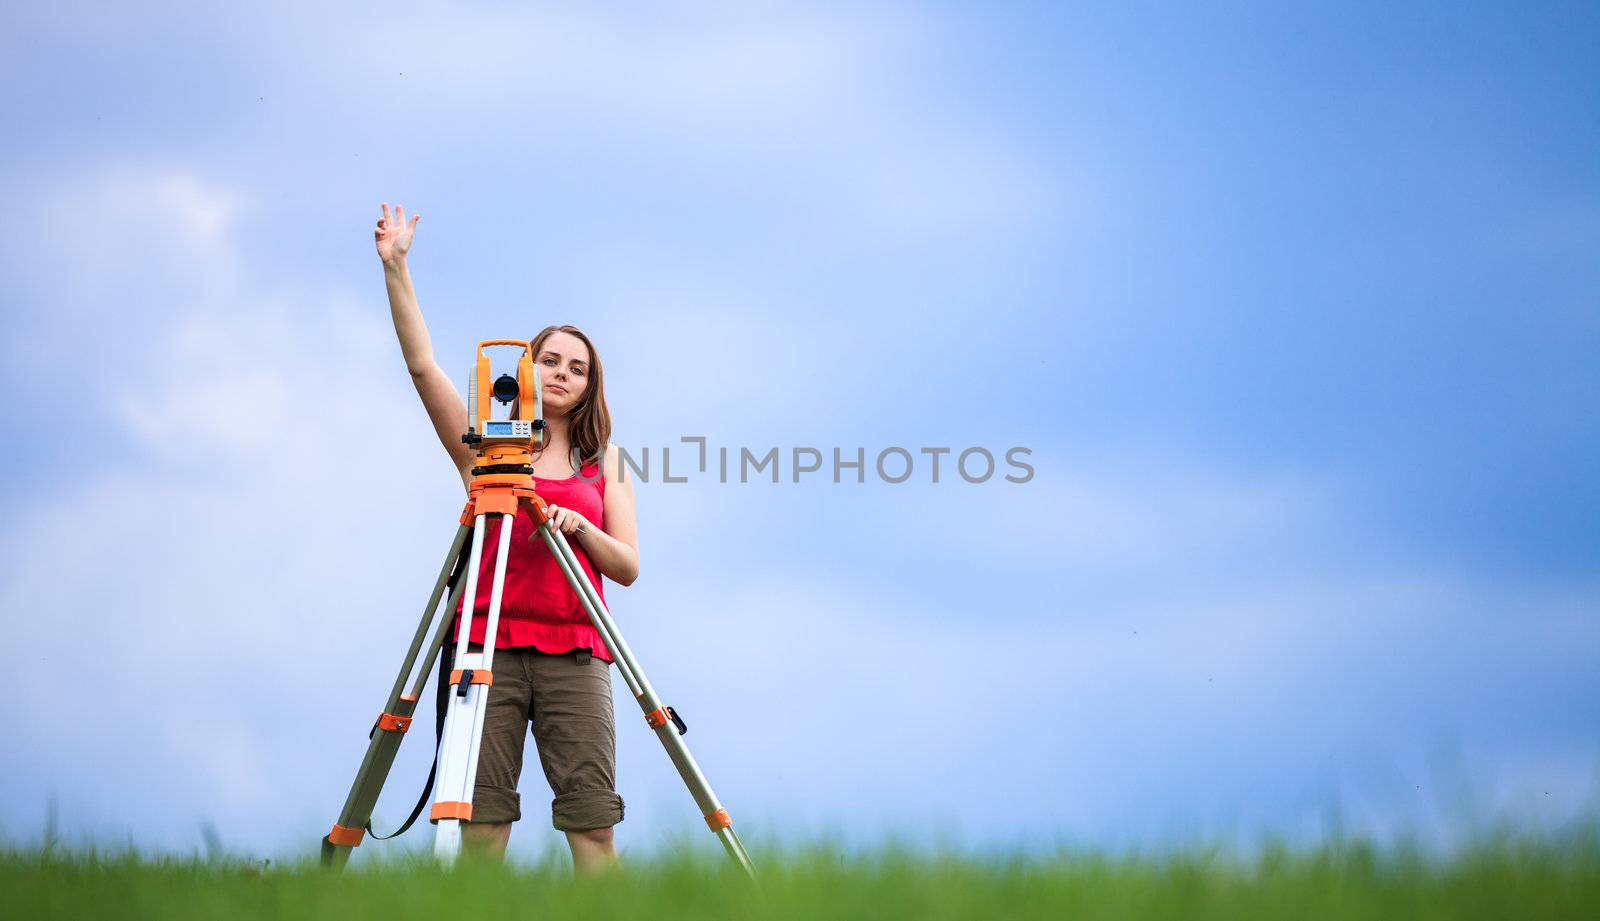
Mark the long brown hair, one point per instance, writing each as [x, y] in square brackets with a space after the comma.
[589, 423]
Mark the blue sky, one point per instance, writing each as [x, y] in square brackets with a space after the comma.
[1297, 311]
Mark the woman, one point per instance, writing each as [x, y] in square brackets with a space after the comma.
[550, 667]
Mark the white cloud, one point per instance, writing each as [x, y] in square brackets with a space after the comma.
[204, 213]
[696, 67]
[120, 228]
[1260, 702]
[237, 543]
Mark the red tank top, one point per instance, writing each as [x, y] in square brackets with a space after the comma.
[538, 607]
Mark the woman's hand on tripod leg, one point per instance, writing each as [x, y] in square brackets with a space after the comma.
[566, 520]
[616, 560]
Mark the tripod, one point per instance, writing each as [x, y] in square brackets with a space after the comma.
[502, 483]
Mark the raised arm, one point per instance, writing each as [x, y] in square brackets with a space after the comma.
[446, 409]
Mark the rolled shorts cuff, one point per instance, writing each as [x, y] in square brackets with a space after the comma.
[495, 804]
[584, 810]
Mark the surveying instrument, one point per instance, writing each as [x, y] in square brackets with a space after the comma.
[502, 482]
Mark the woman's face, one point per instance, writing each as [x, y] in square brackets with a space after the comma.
[563, 363]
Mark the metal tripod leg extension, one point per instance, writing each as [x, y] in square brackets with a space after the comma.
[468, 704]
[669, 728]
[462, 729]
[393, 721]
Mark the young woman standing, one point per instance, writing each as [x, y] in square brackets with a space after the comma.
[551, 669]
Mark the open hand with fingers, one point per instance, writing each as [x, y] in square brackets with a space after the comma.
[393, 234]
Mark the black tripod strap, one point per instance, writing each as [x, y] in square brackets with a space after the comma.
[447, 656]
[416, 810]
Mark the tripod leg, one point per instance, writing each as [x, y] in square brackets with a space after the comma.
[392, 724]
[666, 725]
[463, 724]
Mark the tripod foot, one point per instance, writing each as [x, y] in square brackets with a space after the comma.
[330, 857]
[335, 854]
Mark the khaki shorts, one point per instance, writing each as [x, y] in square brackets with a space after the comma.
[567, 698]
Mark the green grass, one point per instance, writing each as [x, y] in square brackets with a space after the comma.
[1501, 875]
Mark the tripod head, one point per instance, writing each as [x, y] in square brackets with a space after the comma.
[505, 446]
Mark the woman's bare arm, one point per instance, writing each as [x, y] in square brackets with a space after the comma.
[615, 550]
[446, 409]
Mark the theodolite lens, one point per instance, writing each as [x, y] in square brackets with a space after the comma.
[505, 388]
